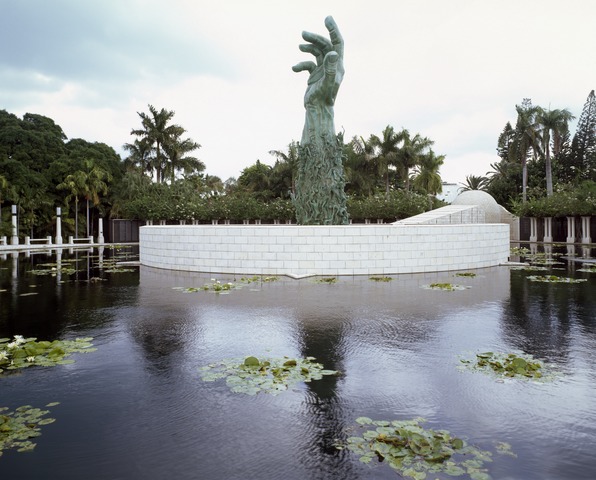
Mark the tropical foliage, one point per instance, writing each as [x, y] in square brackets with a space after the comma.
[538, 160]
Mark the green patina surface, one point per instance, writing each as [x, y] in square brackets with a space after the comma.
[320, 197]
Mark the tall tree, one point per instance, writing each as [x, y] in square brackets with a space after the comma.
[177, 150]
[526, 140]
[359, 167]
[385, 150]
[427, 176]
[554, 125]
[284, 171]
[88, 183]
[475, 182]
[583, 145]
[410, 153]
[163, 136]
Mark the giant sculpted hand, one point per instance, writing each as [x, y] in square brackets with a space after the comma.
[324, 79]
[320, 197]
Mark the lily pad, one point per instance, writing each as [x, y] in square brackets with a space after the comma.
[414, 452]
[380, 279]
[26, 352]
[252, 375]
[19, 426]
[555, 279]
[450, 287]
[510, 365]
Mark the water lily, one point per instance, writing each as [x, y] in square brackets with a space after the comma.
[12, 345]
[30, 359]
[3, 355]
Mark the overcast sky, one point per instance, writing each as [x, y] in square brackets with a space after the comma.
[451, 70]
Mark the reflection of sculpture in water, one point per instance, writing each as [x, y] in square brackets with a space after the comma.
[320, 197]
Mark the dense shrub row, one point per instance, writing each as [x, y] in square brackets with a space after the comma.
[167, 204]
[579, 201]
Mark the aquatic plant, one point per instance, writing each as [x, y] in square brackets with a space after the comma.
[519, 251]
[380, 279]
[465, 274]
[257, 278]
[54, 270]
[444, 286]
[327, 280]
[509, 365]
[219, 287]
[26, 352]
[269, 375]
[529, 268]
[415, 452]
[18, 426]
[554, 279]
[588, 267]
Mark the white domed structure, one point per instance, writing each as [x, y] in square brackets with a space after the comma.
[492, 210]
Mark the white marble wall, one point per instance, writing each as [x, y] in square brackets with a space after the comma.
[323, 250]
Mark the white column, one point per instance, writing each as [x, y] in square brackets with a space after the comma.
[15, 233]
[100, 238]
[586, 230]
[533, 229]
[548, 229]
[570, 229]
[58, 226]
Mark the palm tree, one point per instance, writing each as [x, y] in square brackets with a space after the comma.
[359, 167]
[176, 150]
[158, 133]
[139, 155]
[75, 184]
[475, 182]
[526, 139]
[287, 164]
[554, 125]
[385, 151]
[410, 153]
[428, 177]
[89, 184]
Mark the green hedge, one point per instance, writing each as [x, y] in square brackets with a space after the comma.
[163, 204]
[579, 201]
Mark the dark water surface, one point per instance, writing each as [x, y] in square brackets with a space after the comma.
[138, 409]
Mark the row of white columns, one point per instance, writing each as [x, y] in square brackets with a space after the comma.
[548, 229]
[14, 240]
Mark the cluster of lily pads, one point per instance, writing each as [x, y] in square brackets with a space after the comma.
[555, 279]
[380, 279]
[19, 426]
[327, 280]
[415, 452]
[269, 375]
[66, 267]
[588, 267]
[218, 286]
[23, 352]
[450, 287]
[509, 365]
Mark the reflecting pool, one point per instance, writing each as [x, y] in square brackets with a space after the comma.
[137, 407]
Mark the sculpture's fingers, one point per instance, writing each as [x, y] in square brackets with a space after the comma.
[300, 67]
[318, 41]
[310, 48]
[330, 63]
[336, 39]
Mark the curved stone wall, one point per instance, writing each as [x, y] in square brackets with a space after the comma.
[299, 251]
